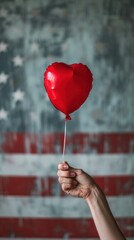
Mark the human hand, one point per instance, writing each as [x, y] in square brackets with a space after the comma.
[74, 181]
[78, 183]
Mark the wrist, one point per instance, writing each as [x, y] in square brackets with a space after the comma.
[95, 195]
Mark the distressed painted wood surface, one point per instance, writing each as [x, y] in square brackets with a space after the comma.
[100, 136]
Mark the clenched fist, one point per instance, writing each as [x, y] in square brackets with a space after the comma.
[74, 181]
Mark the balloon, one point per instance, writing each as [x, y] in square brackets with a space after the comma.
[67, 86]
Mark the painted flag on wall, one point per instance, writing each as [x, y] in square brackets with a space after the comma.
[32, 36]
[32, 204]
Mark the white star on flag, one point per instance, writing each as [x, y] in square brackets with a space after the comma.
[18, 95]
[3, 78]
[3, 114]
[34, 47]
[3, 47]
[3, 12]
[18, 61]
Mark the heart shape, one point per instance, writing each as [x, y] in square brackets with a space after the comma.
[67, 86]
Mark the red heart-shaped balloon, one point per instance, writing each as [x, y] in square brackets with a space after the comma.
[67, 86]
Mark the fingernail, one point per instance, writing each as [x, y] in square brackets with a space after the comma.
[65, 166]
[72, 174]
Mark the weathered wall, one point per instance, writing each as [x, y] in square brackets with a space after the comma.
[33, 34]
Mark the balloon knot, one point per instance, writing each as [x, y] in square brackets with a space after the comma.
[68, 117]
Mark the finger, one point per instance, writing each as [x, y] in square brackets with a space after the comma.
[67, 186]
[66, 174]
[67, 180]
[63, 166]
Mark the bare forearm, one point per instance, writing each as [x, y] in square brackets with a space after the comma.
[105, 223]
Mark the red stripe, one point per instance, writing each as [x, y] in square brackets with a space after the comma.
[76, 143]
[49, 186]
[57, 228]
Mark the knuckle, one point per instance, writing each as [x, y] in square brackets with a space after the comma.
[79, 171]
[65, 187]
[59, 173]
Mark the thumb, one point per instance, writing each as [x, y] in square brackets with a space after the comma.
[64, 166]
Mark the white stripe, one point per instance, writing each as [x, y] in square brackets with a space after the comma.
[44, 165]
[60, 207]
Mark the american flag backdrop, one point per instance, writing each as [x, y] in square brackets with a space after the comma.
[100, 136]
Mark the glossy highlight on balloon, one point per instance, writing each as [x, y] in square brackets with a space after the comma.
[67, 86]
